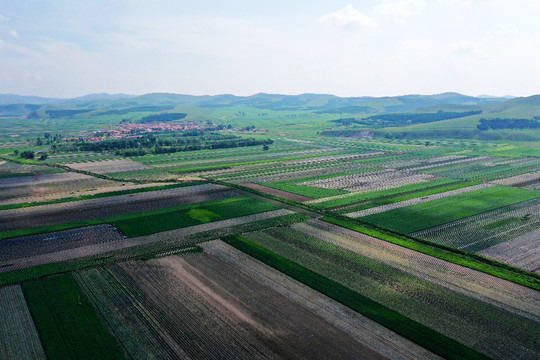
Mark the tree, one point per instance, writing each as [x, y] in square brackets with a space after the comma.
[265, 147]
[43, 156]
[27, 155]
[38, 141]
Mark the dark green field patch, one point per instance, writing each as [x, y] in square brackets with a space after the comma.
[190, 215]
[67, 324]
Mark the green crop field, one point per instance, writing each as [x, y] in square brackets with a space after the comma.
[144, 224]
[445, 210]
[67, 324]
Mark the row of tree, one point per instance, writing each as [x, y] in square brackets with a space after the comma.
[498, 123]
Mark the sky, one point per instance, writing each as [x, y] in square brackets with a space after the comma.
[61, 48]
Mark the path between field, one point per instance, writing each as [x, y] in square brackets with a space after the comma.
[362, 329]
[276, 192]
[420, 200]
[498, 292]
[522, 251]
[175, 237]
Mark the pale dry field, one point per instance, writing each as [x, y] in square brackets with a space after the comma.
[109, 166]
[522, 251]
[44, 187]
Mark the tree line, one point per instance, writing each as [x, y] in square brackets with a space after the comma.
[501, 123]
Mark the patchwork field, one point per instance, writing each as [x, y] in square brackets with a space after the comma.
[205, 305]
[414, 297]
[374, 245]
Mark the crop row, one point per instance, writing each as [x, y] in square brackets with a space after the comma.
[377, 180]
[462, 318]
[67, 324]
[416, 200]
[480, 231]
[418, 217]
[18, 336]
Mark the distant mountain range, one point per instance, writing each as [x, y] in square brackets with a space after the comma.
[18, 105]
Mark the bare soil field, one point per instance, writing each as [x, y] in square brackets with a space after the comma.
[522, 251]
[38, 187]
[361, 328]
[60, 213]
[512, 297]
[276, 192]
[109, 245]
[109, 166]
[30, 246]
[212, 310]
[18, 335]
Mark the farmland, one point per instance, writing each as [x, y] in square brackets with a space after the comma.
[339, 238]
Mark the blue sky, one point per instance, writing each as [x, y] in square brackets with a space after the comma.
[66, 48]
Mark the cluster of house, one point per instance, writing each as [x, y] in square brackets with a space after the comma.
[135, 130]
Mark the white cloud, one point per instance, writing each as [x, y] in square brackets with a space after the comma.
[400, 10]
[348, 17]
[13, 33]
[504, 29]
[15, 49]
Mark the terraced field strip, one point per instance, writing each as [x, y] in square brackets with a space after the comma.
[403, 197]
[498, 292]
[18, 335]
[438, 212]
[519, 179]
[522, 251]
[276, 192]
[212, 309]
[360, 196]
[108, 166]
[487, 229]
[351, 297]
[140, 335]
[83, 210]
[170, 238]
[377, 180]
[366, 331]
[12, 251]
[120, 190]
[420, 200]
[67, 324]
[48, 186]
[189, 215]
